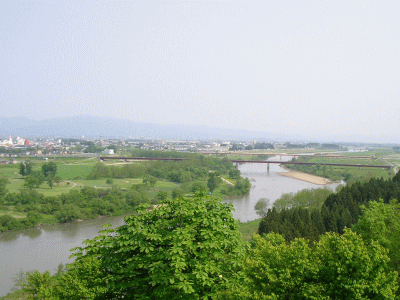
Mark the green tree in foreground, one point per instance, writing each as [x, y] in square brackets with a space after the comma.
[38, 285]
[381, 222]
[82, 281]
[336, 267]
[184, 249]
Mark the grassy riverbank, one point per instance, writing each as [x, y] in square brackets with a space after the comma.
[248, 229]
[88, 188]
[349, 174]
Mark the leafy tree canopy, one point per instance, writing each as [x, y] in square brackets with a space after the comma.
[149, 180]
[381, 222]
[49, 169]
[261, 207]
[3, 183]
[213, 181]
[183, 249]
[336, 267]
[34, 180]
[25, 168]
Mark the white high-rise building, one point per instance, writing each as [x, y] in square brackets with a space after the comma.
[20, 141]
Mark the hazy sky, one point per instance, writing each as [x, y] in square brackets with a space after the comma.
[320, 68]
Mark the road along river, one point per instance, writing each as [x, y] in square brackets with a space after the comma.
[44, 248]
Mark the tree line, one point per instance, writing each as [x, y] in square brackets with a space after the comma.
[340, 210]
[256, 146]
[33, 179]
[190, 248]
[89, 202]
[195, 169]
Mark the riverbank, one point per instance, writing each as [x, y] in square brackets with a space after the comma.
[305, 177]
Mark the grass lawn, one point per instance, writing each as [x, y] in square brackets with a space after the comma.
[14, 214]
[164, 186]
[248, 229]
[7, 171]
[70, 172]
[17, 183]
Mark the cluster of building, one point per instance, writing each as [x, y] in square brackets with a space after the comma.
[18, 141]
[49, 146]
[44, 146]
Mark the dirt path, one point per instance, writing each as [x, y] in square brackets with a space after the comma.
[227, 181]
[72, 186]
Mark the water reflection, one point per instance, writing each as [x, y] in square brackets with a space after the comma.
[15, 234]
[9, 236]
[32, 233]
[44, 248]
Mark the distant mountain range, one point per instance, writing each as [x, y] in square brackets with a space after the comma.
[93, 126]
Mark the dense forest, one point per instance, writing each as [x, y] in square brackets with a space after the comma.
[339, 210]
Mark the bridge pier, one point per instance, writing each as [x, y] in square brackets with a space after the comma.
[236, 166]
[268, 167]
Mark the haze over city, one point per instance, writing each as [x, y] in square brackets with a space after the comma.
[313, 68]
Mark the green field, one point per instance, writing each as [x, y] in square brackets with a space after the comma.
[248, 229]
[17, 184]
[12, 213]
[73, 171]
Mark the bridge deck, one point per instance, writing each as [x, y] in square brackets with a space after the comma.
[249, 161]
[139, 158]
[285, 154]
[310, 163]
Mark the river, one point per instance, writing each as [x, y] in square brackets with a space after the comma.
[46, 247]
[268, 185]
